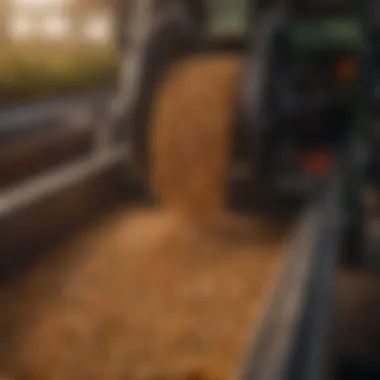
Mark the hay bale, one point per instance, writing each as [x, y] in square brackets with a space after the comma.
[191, 134]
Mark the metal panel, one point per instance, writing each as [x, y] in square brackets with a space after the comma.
[292, 342]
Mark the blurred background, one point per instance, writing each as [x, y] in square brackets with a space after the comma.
[52, 48]
[58, 71]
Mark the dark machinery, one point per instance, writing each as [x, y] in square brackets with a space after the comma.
[298, 90]
[309, 96]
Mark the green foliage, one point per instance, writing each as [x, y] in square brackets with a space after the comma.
[29, 76]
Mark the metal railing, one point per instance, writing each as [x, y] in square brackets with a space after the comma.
[292, 341]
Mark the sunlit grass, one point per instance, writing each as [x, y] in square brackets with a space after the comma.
[33, 75]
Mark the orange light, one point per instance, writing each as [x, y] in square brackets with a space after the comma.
[317, 164]
[347, 70]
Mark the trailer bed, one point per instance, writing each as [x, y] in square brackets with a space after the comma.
[143, 295]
